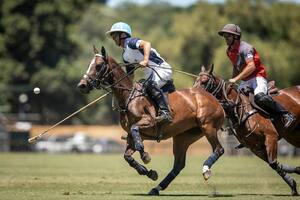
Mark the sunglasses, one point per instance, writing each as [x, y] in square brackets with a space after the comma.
[227, 35]
[114, 35]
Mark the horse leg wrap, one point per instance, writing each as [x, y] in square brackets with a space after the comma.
[214, 157]
[132, 163]
[138, 144]
[286, 168]
[289, 180]
[278, 168]
[168, 179]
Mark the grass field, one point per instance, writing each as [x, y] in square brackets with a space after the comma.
[44, 176]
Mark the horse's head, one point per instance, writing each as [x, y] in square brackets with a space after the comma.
[97, 74]
[212, 84]
[222, 90]
[206, 80]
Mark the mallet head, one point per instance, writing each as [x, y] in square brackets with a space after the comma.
[33, 139]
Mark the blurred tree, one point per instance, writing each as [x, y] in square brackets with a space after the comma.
[195, 36]
[49, 44]
[35, 34]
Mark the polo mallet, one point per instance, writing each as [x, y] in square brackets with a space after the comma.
[35, 138]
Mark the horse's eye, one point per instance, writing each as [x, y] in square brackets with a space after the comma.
[99, 66]
[204, 79]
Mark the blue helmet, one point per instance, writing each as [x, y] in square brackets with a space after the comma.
[120, 27]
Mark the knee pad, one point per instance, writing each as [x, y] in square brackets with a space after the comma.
[153, 90]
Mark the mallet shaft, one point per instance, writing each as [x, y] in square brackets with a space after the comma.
[186, 73]
[35, 138]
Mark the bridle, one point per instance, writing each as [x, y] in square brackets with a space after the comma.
[210, 85]
[102, 77]
[220, 90]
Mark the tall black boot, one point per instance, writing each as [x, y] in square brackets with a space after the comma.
[162, 102]
[267, 102]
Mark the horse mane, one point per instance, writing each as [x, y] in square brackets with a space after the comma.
[120, 72]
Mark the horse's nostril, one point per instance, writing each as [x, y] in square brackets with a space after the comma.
[81, 86]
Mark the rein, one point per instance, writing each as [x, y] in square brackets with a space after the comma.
[101, 80]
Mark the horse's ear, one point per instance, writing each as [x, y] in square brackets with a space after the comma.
[211, 69]
[202, 68]
[95, 50]
[103, 53]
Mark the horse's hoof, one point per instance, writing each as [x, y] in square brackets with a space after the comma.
[152, 174]
[295, 193]
[206, 172]
[297, 170]
[146, 158]
[294, 189]
[154, 192]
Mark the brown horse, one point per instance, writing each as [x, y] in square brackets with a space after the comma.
[196, 113]
[253, 129]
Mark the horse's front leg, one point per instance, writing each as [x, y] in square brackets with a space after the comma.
[211, 134]
[142, 170]
[138, 143]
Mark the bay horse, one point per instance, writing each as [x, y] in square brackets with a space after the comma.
[196, 113]
[253, 130]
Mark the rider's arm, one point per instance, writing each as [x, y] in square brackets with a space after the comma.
[146, 46]
[247, 71]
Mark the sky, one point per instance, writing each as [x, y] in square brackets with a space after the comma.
[182, 3]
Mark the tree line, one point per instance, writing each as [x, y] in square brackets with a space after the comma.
[48, 44]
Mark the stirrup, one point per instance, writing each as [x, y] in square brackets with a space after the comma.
[240, 146]
[159, 137]
[163, 120]
[163, 117]
[288, 120]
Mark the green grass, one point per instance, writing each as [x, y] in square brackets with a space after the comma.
[44, 176]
